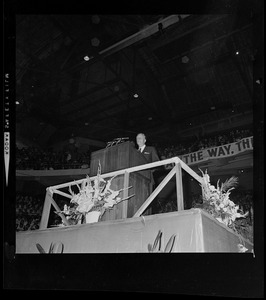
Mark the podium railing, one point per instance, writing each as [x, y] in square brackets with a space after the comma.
[177, 170]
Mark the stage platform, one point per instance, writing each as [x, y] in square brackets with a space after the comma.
[194, 231]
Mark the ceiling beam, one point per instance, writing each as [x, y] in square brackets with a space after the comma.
[96, 102]
[58, 24]
[128, 85]
[77, 102]
[246, 82]
[159, 83]
[118, 19]
[177, 32]
[117, 114]
[142, 34]
[92, 112]
[209, 43]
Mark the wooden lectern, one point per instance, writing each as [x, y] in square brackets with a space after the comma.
[119, 157]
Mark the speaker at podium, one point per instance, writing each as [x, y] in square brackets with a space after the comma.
[121, 156]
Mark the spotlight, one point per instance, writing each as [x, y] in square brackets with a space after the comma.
[237, 52]
[86, 58]
[135, 95]
[17, 102]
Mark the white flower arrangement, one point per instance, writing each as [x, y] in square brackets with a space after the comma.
[217, 203]
[216, 200]
[95, 195]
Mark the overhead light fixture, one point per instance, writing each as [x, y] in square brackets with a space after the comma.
[86, 123]
[185, 59]
[237, 52]
[95, 42]
[213, 107]
[135, 95]
[86, 58]
[17, 102]
[116, 88]
[150, 118]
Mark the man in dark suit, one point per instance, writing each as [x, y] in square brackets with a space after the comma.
[150, 155]
[148, 152]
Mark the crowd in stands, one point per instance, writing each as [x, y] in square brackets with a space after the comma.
[203, 143]
[28, 212]
[245, 225]
[33, 158]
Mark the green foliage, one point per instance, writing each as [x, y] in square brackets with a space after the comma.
[156, 247]
[229, 183]
[216, 202]
[54, 248]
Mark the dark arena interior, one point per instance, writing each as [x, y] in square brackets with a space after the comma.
[88, 84]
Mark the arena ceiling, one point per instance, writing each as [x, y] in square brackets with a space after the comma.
[193, 74]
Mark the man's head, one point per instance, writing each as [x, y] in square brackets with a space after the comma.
[141, 139]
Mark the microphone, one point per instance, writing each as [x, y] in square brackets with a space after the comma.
[116, 141]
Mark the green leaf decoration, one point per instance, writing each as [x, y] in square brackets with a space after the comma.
[229, 183]
[57, 247]
[51, 248]
[157, 242]
[40, 248]
[156, 247]
[170, 244]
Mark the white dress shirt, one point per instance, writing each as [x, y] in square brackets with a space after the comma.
[142, 148]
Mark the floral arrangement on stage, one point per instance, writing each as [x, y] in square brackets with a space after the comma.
[93, 195]
[216, 201]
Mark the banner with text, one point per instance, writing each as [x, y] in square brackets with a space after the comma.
[218, 152]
